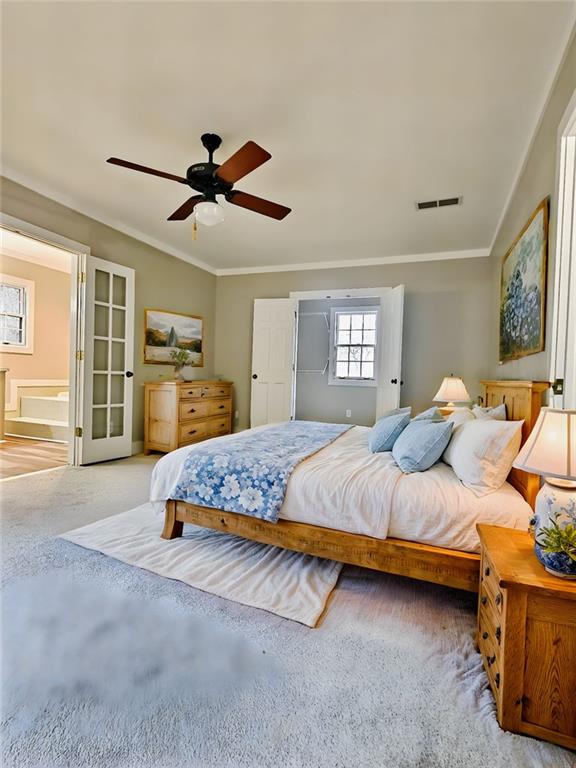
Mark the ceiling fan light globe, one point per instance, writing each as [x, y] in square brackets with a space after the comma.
[209, 213]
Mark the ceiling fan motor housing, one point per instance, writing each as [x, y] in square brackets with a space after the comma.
[200, 177]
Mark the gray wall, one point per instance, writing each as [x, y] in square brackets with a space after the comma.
[538, 180]
[162, 281]
[446, 320]
[317, 400]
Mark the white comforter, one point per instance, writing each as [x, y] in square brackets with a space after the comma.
[345, 486]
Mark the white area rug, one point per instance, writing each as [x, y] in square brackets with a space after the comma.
[291, 584]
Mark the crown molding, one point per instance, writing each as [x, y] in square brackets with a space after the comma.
[108, 221]
[102, 218]
[477, 253]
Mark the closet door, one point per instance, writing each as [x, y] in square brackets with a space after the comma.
[391, 322]
[106, 362]
[273, 360]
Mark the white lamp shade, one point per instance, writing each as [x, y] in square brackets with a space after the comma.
[551, 448]
[452, 390]
[209, 213]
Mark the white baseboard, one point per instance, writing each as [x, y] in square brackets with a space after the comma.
[137, 447]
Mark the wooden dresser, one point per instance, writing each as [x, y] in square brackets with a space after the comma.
[527, 637]
[178, 413]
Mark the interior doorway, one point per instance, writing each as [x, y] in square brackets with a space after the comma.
[35, 351]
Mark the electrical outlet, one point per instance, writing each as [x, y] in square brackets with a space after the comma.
[348, 413]
[236, 415]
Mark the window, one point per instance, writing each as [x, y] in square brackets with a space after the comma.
[353, 353]
[16, 307]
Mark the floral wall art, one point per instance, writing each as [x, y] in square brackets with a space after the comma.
[523, 289]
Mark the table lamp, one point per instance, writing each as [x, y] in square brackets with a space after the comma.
[452, 390]
[550, 451]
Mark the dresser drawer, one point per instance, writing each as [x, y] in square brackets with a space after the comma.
[193, 410]
[190, 392]
[193, 430]
[219, 426]
[215, 390]
[219, 407]
[489, 628]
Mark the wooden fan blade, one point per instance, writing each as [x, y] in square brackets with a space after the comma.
[247, 159]
[257, 204]
[145, 169]
[186, 209]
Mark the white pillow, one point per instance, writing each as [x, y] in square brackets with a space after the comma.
[481, 453]
[460, 416]
[498, 412]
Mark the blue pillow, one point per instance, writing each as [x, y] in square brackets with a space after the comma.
[432, 414]
[384, 433]
[421, 444]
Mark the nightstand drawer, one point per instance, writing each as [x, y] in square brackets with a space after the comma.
[490, 601]
[489, 629]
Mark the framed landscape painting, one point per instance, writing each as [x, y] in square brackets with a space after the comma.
[523, 289]
[167, 332]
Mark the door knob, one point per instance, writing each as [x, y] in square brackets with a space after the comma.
[254, 375]
[393, 381]
[129, 374]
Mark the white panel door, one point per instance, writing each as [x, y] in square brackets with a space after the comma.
[273, 355]
[107, 342]
[391, 321]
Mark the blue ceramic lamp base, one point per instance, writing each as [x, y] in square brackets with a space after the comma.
[555, 509]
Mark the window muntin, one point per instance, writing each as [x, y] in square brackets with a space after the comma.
[354, 345]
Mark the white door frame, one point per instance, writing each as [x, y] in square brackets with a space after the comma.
[350, 293]
[563, 353]
[78, 252]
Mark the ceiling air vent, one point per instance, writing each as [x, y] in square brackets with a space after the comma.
[422, 206]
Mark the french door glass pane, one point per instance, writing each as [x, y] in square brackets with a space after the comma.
[102, 286]
[116, 422]
[116, 389]
[99, 423]
[101, 315]
[100, 355]
[100, 389]
[118, 356]
[118, 323]
[119, 290]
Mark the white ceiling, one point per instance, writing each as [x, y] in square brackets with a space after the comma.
[365, 107]
[28, 249]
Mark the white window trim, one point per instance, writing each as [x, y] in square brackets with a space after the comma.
[333, 380]
[28, 285]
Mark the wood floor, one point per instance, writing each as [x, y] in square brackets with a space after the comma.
[19, 456]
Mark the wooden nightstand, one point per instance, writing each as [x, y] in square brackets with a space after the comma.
[527, 638]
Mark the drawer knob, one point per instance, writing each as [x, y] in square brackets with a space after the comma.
[497, 679]
[498, 633]
[192, 410]
[192, 432]
[484, 600]
[221, 406]
[491, 660]
[487, 571]
[498, 598]
[484, 635]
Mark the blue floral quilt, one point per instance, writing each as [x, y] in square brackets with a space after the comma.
[249, 474]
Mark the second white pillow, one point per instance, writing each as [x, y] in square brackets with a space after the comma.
[481, 453]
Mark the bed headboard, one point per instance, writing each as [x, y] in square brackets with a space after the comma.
[523, 400]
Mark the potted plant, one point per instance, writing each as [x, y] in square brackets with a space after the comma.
[181, 358]
[555, 540]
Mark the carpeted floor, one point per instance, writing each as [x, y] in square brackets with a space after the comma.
[110, 666]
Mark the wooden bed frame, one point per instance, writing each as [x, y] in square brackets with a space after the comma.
[449, 567]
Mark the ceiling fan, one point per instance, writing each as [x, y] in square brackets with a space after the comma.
[211, 179]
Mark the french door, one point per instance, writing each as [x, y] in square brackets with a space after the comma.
[105, 362]
[273, 356]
